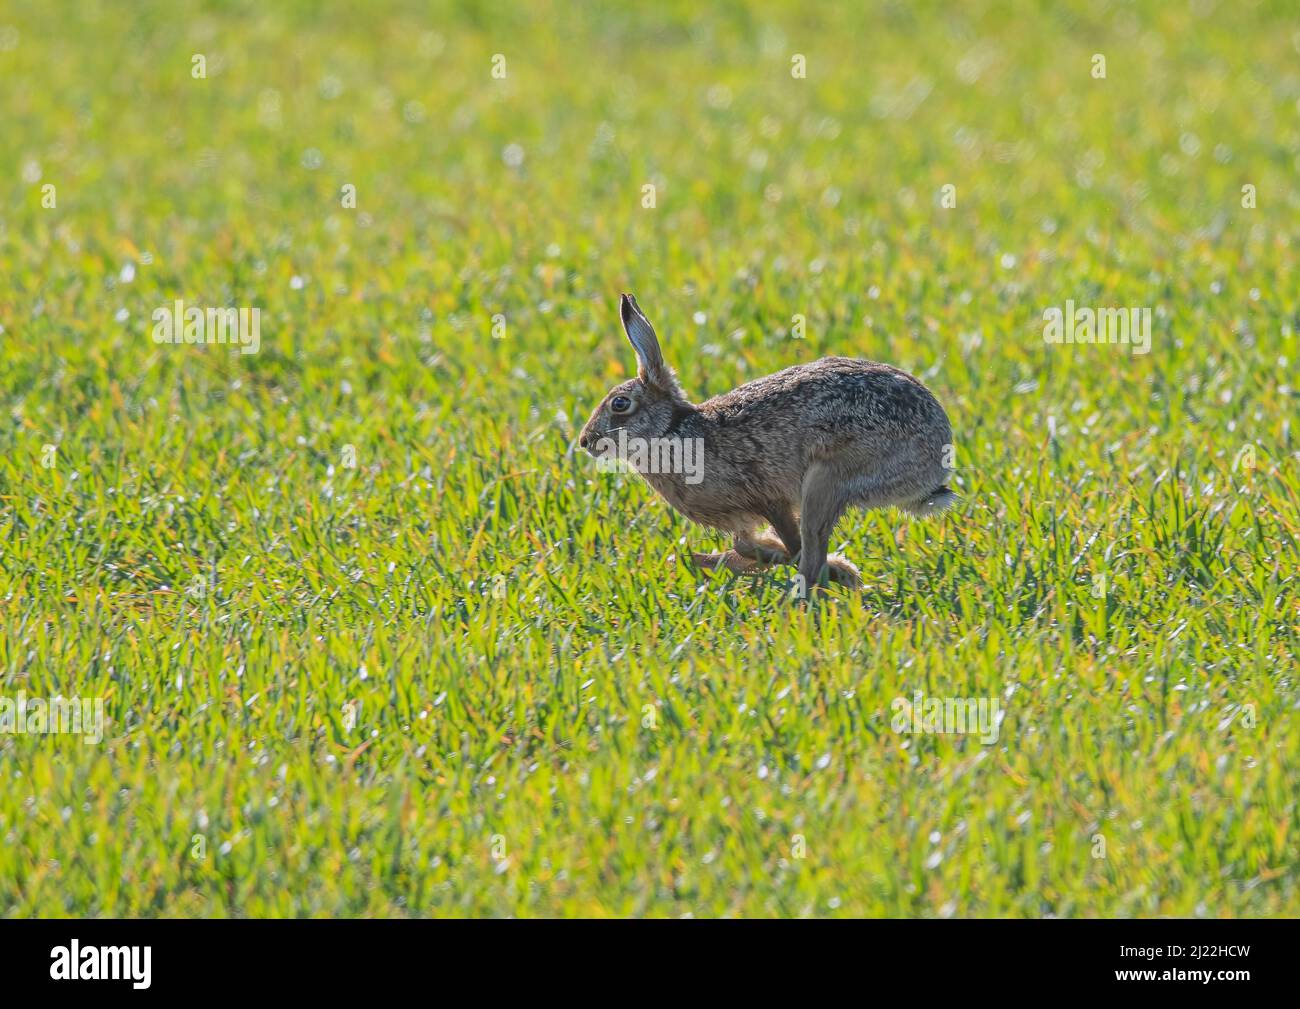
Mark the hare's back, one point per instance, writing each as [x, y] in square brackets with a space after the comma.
[837, 394]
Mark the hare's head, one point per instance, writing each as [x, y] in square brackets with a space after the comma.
[645, 407]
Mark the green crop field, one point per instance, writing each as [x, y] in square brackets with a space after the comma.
[371, 636]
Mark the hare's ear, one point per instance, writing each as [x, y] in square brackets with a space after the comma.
[650, 359]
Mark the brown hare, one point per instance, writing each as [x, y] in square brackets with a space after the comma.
[791, 451]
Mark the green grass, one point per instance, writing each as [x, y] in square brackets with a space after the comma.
[501, 615]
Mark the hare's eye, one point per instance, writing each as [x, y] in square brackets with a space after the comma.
[620, 404]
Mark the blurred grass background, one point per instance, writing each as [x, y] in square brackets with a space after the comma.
[555, 716]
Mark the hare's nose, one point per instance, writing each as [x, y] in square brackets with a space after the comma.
[582, 441]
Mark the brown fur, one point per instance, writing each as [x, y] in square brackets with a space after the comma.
[791, 451]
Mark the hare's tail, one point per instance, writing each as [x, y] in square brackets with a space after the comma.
[940, 499]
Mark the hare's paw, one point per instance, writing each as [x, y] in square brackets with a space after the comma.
[728, 559]
[843, 572]
[766, 550]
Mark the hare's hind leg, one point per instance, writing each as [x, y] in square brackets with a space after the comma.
[786, 525]
[766, 550]
[753, 549]
[749, 552]
[729, 559]
[783, 548]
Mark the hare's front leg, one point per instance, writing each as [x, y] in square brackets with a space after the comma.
[824, 500]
